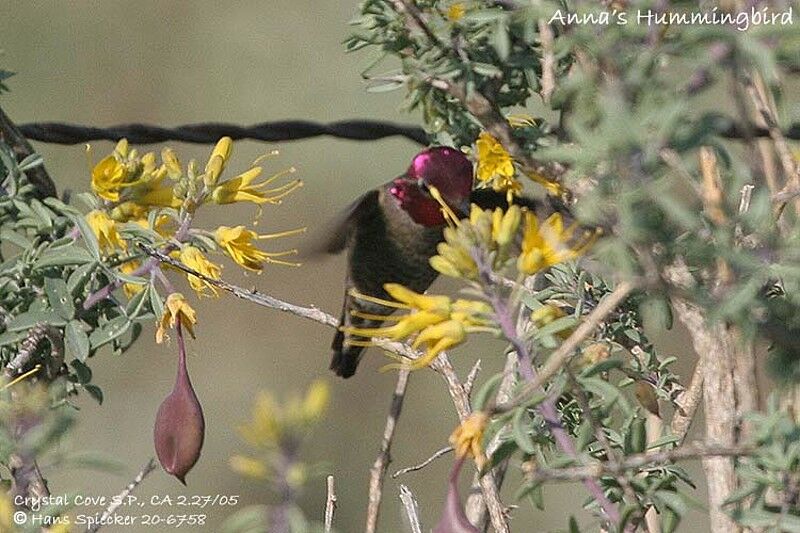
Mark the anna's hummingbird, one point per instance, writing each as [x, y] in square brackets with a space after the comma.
[391, 233]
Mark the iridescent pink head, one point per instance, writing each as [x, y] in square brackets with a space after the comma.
[442, 167]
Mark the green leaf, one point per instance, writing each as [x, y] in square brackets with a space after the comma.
[79, 277]
[59, 297]
[657, 312]
[95, 392]
[486, 391]
[63, 257]
[12, 337]
[109, 331]
[82, 372]
[156, 304]
[26, 321]
[673, 500]
[520, 425]
[76, 341]
[88, 236]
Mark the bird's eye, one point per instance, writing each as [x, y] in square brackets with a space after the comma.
[424, 186]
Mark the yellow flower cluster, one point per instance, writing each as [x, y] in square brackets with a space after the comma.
[493, 231]
[467, 439]
[437, 321]
[124, 175]
[237, 243]
[550, 243]
[272, 425]
[176, 309]
[496, 166]
[497, 232]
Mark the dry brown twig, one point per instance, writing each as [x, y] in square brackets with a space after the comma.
[330, 503]
[378, 471]
[438, 453]
[121, 498]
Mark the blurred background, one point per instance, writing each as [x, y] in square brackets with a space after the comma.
[167, 63]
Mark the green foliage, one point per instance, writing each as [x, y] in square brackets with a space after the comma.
[649, 159]
[769, 492]
[47, 270]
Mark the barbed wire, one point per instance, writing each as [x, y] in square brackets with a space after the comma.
[290, 130]
[210, 132]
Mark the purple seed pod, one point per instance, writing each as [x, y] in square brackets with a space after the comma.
[179, 427]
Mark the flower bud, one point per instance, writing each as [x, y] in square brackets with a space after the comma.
[179, 427]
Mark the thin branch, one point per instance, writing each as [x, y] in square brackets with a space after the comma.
[688, 402]
[423, 464]
[378, 471]
[122, 497]
[411, 508]
[637, 461]
[548, 61]
[330, 503]
[560, 357]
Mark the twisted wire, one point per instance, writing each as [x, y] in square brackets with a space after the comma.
[210, 132]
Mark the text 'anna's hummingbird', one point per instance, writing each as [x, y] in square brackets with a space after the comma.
[391, 232]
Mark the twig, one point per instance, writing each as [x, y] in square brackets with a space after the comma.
[330, 503]
[378, 471]
[423, 464]
[411, 508]
[637, 461]
[559, 357]
[121, 498]
[548, 61]
[469, 384]
[687, 402]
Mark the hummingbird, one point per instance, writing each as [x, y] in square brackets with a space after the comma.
[391, 232]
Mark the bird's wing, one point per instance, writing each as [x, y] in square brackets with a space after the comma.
[333, 238]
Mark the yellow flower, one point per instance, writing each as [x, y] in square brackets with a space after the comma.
[127, 211]
[244, 188]
[238, 244]
[176, 309]
[264, 429]
[149, 188]
[467, 439]
[217, 160]
[194, 259]
[106, 231]
[552, 187]
[316, 400]
[493, 159]
[131, 289]
[456, 11]
[249, 467]
[505, 225]
[438, 322]
[547, 245]
[108, 176]
[171, 163]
